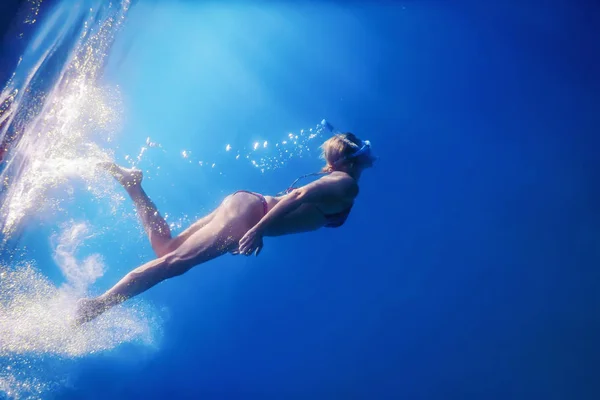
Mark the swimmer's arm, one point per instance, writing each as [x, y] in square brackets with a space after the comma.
[327, 189]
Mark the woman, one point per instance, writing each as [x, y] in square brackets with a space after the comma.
[239, 224]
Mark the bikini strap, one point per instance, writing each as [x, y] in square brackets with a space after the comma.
[293, 185]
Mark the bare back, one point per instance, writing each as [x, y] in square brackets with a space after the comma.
[331, 194]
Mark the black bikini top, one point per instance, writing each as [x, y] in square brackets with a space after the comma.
[336, 220]
[333, 220]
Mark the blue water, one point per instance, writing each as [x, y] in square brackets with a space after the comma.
[468, 268]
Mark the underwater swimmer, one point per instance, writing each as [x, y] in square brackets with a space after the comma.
[239, 224]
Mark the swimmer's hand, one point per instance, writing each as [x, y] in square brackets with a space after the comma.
[252, 242]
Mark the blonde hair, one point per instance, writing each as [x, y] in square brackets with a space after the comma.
[336, 148]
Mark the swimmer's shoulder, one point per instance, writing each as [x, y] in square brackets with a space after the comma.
[346, 184]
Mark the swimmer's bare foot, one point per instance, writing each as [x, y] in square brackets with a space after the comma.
[128, 177]
[88, 309]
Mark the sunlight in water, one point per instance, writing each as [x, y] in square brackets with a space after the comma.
[55, 133]
[56, 120]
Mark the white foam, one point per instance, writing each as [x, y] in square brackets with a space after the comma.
[61, 129]
[36, 317]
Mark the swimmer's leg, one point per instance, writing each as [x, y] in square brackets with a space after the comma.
[221, 235]
[186, 234]
[155, 225]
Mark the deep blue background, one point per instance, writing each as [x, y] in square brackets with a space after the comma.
[469, 266]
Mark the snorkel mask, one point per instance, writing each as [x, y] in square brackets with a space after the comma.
[363, 155]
